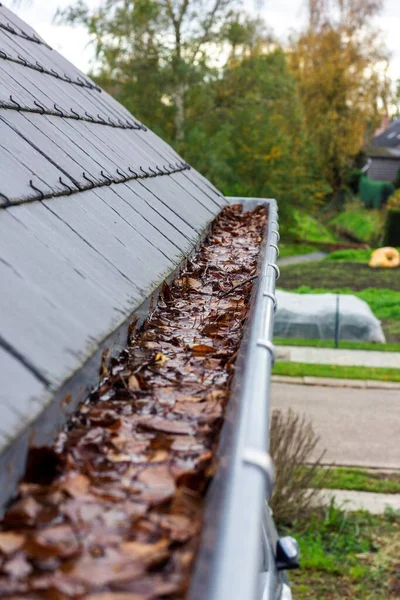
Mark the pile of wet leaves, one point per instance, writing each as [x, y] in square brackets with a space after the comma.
[113, 511]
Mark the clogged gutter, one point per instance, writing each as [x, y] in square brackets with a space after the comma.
[113, 511]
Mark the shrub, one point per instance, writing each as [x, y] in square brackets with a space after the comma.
[293, 444]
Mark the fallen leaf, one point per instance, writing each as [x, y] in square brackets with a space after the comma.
[23, 511]
[202, 349]
[158, 483]
[166, 425]
[18, 567]
[194, 284]
[10, 542]
[75, 484]
[148, 553]
[59, 541]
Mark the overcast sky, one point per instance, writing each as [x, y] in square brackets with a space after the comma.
[281, 15]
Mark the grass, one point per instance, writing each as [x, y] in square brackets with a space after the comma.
[310, 229]
[333, 275]
[297, 369]
[366, 225]
[361, 256]
[347, 556]
[343, 344]
[362, 480]
[295, 249]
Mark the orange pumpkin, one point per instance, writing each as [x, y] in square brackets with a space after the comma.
[386, 258]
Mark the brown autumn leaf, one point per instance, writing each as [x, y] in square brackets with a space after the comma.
[115, 596]
[148, 553]
[158, 483]
[148, 454]
[10, 542]
[23, 512]
[165, 425]
[17, 567]
[202, 349]
[58, 541]
[194, 284]
[104, 570]
[75, 484]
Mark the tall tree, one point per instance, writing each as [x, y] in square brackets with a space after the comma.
[254, 140]
[155, 49]
[339, 63]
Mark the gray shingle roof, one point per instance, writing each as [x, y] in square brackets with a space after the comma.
[95, 211]
[390, 138]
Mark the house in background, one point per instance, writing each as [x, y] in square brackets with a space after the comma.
[384, 151]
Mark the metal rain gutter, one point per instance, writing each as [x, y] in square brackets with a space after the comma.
[230, 558]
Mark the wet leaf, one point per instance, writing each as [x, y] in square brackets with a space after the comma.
[18, 567]
[166, 425]
[75, 484]
[202, 349]
[23, 512]
[114, 510]
[59, 541]
[148, 553]
[10, 542]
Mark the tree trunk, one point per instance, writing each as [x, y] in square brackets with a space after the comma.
[180, 111]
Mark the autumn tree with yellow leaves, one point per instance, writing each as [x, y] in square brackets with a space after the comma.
[340, 67]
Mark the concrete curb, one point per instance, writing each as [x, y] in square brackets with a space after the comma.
[351, 500]
[337, 383]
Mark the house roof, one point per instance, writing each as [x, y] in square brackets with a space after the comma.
[390, 138]
[382, 152]
[95, 211]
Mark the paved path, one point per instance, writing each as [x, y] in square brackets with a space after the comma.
[332, 356]
[358, 427]
[300, 258]
[352, 500]
[336, 382]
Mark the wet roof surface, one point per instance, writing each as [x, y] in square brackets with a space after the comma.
[95, 211]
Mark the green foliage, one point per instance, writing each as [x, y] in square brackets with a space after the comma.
[295, 249]
[353, 180]
[396, 182]
[307, 228]
[254, 142]
[375, 194]
[241, 124]
[297, 369]
[348, 478]
[361, 256]
[346, 555]
[366, 225]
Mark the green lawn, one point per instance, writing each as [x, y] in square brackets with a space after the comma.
[337, 275]
[366, 225]
[295, 249]
[362, 256]
[347, 556]
[310, 229]
[349, 478]
[296, 369]
[342, 345]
